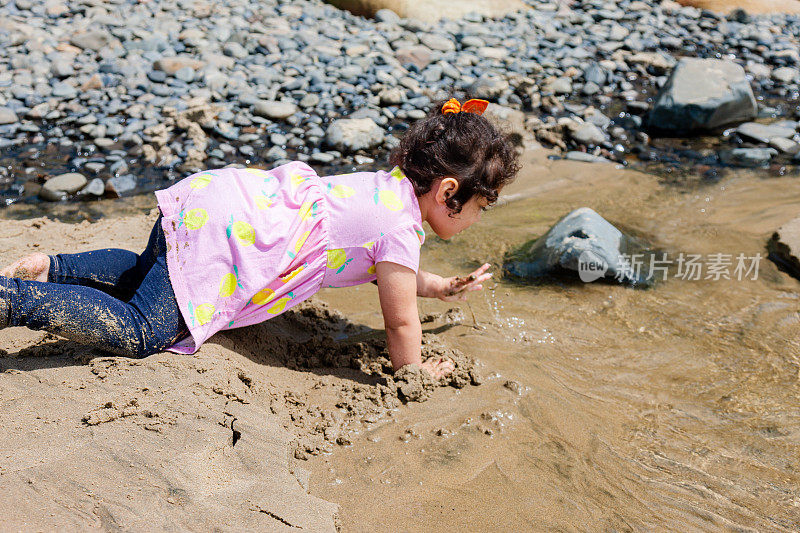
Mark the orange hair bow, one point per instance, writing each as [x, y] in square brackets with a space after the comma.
[470, 106]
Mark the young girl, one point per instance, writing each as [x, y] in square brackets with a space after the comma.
[235, 247]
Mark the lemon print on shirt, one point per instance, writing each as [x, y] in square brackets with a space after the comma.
[229, 282]
[299, 244]
[340, 191]
[337, 260]
[280, 305]
[371, 270]
[243, 231]
[286, 278]
[297, 179]
[308, 210]
[193, 218]
[263, 296]
[201, 181]
[388, 198]
[397, 174]
[368, 245]
[203, 313]
[264, 201]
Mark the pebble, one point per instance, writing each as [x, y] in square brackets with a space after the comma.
[274, 110]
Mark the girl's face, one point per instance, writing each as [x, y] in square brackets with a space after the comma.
[442, 221]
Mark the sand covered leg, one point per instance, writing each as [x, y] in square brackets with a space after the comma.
[147, 324]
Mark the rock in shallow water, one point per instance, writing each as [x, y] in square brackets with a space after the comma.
[703, 94]
[58, 187]
[784, 247]
[583, 242]
[748, 157]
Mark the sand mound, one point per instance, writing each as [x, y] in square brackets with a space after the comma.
[95, 441]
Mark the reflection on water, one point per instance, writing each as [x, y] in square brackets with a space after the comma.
[606, 408]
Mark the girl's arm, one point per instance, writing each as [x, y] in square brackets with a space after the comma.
[450, 289]
[397, 290]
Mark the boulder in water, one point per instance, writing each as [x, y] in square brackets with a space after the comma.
[703, 94]
[583, 242]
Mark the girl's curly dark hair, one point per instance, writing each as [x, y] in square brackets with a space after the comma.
[464, 146]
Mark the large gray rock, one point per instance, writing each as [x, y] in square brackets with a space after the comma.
[352, 134]
[784, 247]
[703, 94]
[58, 187]
[584, 242]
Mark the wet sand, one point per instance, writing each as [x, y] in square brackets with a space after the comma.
[601, 407]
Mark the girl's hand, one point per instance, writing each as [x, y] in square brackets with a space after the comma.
[455, 288]
[438, 368]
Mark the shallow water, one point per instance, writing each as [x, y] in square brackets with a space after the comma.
[605, 408]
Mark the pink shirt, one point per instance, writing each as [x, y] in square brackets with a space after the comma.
[244, 245]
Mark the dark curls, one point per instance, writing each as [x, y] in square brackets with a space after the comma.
[464, 146]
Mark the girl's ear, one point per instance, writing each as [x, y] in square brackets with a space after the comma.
[447, 188]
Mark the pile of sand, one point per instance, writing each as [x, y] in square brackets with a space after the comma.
[213, 440]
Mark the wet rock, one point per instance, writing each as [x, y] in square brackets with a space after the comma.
[95, 187]
[8, 116]
[785, 74]
[587, 134]
[784, 247]
[274, 110]
[585, 158]
[352, 134]
[703, 94]
[786, 146]
[118, 186]
[748, 157]
[764, 132]
[583, 242]
[59, 187]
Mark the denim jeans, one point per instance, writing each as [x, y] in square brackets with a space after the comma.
[112, 299]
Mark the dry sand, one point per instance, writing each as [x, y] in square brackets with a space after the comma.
[216, 440]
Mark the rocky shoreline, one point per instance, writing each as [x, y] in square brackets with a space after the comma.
[130, 95]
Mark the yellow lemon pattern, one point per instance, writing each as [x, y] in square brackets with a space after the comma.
[243, 232]
[340, 191]
[371, 270]
[263, 296]
[229, 282]
[308, 210]
[280, 305]
[297, 179]
[201, 181]
[337, 259]
[193, 218]
[397, 174]
[264, 201]
[287, 277]
[299, 244]
[203, 313]
[388, 198]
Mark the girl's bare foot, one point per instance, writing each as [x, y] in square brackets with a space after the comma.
[33, 268]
